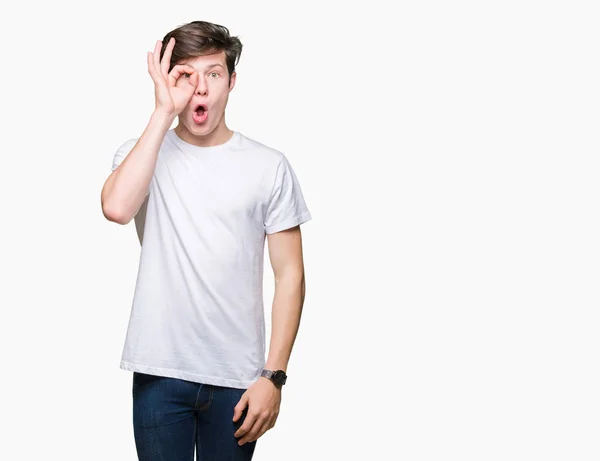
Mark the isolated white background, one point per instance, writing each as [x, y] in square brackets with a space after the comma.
[448, 152]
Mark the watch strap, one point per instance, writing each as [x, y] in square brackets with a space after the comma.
[267, 373]
[270, 374]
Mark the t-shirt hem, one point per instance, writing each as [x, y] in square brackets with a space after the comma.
[171, 373]
[304, 217]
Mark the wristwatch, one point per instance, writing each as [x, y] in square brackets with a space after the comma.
[278, 376]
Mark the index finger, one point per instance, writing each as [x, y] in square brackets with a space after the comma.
[176, 72]
[166, 60]
[249, 421]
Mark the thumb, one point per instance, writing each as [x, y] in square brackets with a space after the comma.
[239, 408]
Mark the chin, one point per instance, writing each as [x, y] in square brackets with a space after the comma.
[201, 130]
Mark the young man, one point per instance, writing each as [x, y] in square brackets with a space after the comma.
[205, 198]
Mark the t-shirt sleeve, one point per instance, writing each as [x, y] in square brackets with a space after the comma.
[122, 152]
[287, 207]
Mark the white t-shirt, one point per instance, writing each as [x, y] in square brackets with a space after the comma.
[197, 312]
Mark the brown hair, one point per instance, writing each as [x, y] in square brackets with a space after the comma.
[199, 38]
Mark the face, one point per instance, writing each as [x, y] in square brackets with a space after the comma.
[212, 91]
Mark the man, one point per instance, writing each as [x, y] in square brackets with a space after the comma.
[204, 199]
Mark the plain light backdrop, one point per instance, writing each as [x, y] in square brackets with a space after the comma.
[448, 152]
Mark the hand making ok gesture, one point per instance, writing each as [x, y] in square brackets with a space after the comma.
[171, 92]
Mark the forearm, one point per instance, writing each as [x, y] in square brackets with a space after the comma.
[127, 186]
[285, 319]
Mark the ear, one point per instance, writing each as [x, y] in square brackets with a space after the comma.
[232, 80]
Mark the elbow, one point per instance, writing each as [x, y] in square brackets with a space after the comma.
[114, 214]
[112, 207]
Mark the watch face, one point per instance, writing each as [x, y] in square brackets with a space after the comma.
[279, 377]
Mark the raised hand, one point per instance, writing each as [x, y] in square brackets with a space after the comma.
[171, 92]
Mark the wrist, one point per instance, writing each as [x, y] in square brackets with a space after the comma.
[276, 376]
[275, 364]
[163, 116]
[271, 381]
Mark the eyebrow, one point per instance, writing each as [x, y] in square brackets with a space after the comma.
[214, 65]
[210, 66]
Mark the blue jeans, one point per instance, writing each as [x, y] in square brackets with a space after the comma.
[172, 417]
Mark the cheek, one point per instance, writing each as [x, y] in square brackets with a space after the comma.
[221, 101]
[221, 88]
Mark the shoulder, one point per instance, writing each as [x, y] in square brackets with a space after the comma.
[258, 151]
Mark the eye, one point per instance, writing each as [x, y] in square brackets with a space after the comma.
[186, 75]
[214, 73]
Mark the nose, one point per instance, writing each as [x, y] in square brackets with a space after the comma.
[202, 88]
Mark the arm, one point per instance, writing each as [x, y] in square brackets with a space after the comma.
[125, 189]
[285, 253]
[263, 398]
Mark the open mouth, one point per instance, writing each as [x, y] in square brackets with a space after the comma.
[200, 109]
[200, 113]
